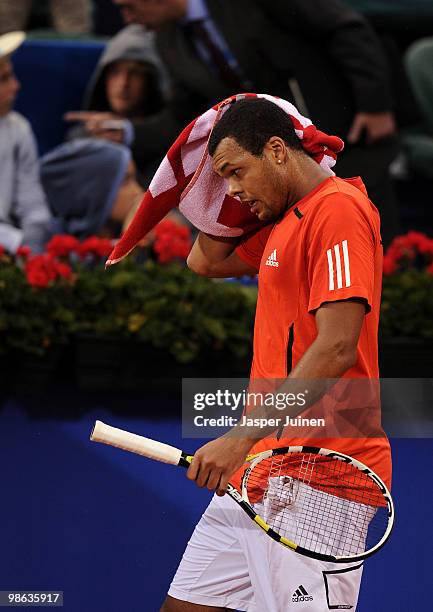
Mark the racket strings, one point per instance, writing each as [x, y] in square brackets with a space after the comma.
[323, 504]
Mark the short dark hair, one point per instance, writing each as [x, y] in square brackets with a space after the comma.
[252, 122]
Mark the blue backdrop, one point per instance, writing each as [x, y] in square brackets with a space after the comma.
[72, 512]
[53, 76]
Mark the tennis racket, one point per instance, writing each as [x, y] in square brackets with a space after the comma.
[315, 501]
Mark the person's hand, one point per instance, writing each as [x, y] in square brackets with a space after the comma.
[99, 125]
[215, 462]
[375, 125]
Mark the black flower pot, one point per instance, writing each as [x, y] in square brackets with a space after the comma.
[406, 358]
[30, 372]
[109, 364]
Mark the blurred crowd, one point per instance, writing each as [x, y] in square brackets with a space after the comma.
[170, 60]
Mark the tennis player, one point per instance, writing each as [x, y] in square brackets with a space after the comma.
[319, 260]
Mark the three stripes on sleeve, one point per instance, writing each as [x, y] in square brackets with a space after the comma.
[338, 266]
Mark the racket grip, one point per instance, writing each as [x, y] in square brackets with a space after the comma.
[135, 444]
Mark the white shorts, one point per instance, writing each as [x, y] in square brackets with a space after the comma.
[230, 563]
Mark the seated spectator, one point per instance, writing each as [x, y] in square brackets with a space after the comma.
[126, 88]
[90, 185]
[68, 16]
[24, 215]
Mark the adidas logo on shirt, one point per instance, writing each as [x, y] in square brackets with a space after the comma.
[272, 259]
[301, 595]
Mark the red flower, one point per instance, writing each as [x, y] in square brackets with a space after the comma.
[2, 250]
[184, 231]
[166, 226]
[389, 265]
[62, 244]
[63, 270]
[420, 241]
[42, 270]
[100, 247]
[401, 248]
[24, 252]
[426, 246]
[407, 246]
[415, 248]
[171, 241]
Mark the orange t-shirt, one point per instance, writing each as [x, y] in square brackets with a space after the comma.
[324, 249]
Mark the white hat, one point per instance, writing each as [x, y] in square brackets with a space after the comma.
[10, 42]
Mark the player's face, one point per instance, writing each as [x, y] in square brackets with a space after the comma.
[151, 13]
[257, 181]
[126, 86]
[9, 87]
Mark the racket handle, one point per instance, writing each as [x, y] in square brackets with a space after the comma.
[135, 444]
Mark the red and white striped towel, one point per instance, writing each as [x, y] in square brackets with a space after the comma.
[186, 179]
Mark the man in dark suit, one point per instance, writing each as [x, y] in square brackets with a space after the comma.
[318, 54]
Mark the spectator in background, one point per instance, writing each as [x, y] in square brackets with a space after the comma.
[91, 187]
[24, 215]
[127, 88]
[320, 55]
[68, 16]
[418, 142]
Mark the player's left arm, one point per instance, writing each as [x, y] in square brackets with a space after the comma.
[215, 257]
[220, 257]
